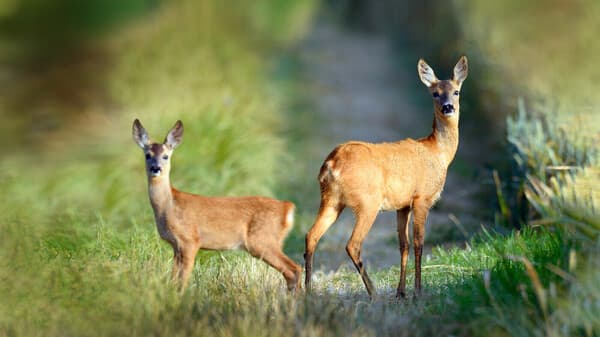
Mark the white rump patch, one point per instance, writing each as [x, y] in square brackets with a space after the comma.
[289, 218]
[335, 174]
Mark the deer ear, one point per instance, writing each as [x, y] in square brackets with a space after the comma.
[461, 70]
[426, 73]
[174, 136]
[140, 136]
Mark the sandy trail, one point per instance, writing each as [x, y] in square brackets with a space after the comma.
[360, 95]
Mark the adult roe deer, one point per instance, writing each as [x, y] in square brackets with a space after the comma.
[404, 176]
[190, 222]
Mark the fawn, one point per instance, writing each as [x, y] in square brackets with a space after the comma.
[406, 176]
[190, 222]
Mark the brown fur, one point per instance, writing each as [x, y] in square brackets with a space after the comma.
[405, 176]
[190, 222]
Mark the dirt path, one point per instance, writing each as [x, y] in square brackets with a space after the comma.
[361, 95]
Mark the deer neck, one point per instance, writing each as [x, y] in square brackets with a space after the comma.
[445, 137]
[161, 196]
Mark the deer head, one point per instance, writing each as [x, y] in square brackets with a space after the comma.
[158, 155]
[445, 93]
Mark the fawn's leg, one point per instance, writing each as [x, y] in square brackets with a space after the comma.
[295, 268]
[177, 265]
[403, 217]
[183, 264]
[364, 221]
[188, 266]
[278, 260]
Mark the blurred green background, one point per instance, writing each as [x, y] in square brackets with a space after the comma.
[79, 254]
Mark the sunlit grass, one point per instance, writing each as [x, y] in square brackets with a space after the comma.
[79, 254]
[105, 281]
[547, 54]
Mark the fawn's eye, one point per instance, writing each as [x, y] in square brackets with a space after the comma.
[165, 157]
[147, 156]
[456, 93]
[436, 95]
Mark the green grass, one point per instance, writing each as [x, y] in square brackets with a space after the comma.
[553, 136]
[79, 254]
[104, 281]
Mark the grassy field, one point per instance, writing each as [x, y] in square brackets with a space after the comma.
[79, 252]
[546, 56]
[79, 238]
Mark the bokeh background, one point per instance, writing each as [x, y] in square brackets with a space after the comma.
[265, 90]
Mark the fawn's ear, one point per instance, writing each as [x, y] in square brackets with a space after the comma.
[174, 136]
[140, 136]
[461, 70]
[426, 73]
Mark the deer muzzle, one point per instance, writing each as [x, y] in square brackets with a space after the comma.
[447, 109]
[155, 170]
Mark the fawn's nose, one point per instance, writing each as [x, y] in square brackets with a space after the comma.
[154, 169]
[447, 108]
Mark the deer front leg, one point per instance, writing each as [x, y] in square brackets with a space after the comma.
[189, 257]
[403, 217]
[364, 221]
[183, 263]
[420, 213]
[177, 265]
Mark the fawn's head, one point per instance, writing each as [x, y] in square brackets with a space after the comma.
[445, 93]
[158, 156]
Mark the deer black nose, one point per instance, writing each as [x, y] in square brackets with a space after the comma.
[154, 169]
[447, 108]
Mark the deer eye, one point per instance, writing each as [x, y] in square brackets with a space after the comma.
[436, 95]
[456, 93]
[165, 157]
[147, 156]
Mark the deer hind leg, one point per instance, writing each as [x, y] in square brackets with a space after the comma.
[403, 217]
[420, 212]
[326, 217]
[278, 260]
[364, 221]
[293, 283]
